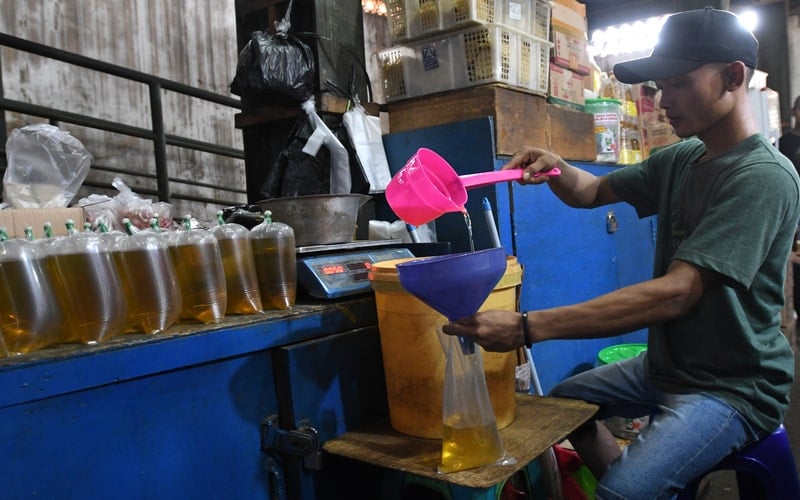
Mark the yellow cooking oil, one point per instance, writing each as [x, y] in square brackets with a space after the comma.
[467, 445]
[202, 283]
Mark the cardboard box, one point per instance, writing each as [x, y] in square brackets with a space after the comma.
[569, 14]
[519, 119]
[569, 51]
[566, 87]
[658, 136]
[15, 220]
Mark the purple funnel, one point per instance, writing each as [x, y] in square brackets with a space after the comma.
[455, 285]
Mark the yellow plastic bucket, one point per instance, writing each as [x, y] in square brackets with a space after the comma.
[413, 359]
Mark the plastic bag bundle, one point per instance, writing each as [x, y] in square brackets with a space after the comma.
[277, 63]
[125, 205]
[46, 167]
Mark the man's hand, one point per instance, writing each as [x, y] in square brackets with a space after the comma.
[498, 331]
[534, 160]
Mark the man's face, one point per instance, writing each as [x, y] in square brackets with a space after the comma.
[696, 101]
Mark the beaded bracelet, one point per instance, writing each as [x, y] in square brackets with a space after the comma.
[526, 331]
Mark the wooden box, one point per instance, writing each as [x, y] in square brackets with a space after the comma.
[520, 119]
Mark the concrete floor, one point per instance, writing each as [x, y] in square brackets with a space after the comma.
[722, 485]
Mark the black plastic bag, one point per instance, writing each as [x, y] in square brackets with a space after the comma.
[271, 64]
[297, 173]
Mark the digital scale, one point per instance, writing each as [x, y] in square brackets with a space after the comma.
[339, 270]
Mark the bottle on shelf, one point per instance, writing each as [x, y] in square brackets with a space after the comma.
[198, 266]
[30, 315]
[241, 280]
[87, 285]
[274, 251]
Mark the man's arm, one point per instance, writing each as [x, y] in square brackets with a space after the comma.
[627, 309]
[575, 187]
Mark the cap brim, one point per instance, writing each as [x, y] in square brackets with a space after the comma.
[653, 68]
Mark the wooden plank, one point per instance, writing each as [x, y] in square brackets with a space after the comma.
[520, 120]
[571, 133]
[540, 422]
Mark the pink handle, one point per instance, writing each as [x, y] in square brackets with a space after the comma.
[486, 178]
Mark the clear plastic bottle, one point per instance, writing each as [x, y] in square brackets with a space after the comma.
[87, 286]
[630, 151]
[241, 281]
[201, 277]
[275, 252]
[148, 278]
[112, 238]
[607, 121]
[30, 315]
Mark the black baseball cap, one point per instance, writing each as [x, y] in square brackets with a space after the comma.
[689, 40]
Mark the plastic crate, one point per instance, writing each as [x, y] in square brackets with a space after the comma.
[413, 19]
[465, 58]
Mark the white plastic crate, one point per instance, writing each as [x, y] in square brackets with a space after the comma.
[465, 58]
[413, 19]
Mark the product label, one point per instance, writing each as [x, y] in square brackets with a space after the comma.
[430, 60]
[606, 117]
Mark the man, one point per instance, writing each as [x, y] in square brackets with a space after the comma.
[717, 372]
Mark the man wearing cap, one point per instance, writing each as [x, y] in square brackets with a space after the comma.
[717, 372]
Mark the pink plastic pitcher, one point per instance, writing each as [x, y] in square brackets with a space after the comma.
[427, 187]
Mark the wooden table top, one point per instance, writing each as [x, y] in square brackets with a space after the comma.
[539, 423]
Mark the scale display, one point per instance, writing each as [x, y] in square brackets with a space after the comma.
[342, 274]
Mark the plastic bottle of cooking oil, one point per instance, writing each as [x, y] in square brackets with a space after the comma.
[274, 252]
[148, 278]
[87, 285]
[112, 240]
[241, 281]
[201, 277]
[30, 316]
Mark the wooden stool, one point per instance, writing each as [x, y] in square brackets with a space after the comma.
[410, 462]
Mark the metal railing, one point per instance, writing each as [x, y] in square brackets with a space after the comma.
[156, 133]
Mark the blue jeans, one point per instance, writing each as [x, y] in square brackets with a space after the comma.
[688, 433]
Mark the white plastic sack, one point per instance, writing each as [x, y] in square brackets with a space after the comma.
[365, 134]
[46, 167]
[340, 159]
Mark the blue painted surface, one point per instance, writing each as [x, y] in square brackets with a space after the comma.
[172, 435]
[176, 415]
[468, 147]
[336, 384]
[569, 256]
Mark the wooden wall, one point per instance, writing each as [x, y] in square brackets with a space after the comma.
[188, 41]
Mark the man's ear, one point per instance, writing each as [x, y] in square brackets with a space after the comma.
[735, 75]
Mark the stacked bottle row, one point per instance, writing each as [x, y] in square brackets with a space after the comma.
[88, 287]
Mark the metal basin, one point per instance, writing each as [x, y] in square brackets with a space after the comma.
[319, 219]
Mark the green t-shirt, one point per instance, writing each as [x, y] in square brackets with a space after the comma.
[735, 214]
